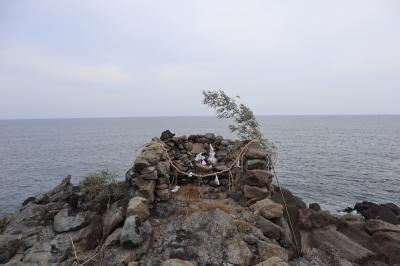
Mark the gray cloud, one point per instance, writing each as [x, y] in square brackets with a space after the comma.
[141, 58]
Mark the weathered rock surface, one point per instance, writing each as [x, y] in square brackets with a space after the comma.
[206, 224]
[138, 206]
[64, 221]
[268, 208]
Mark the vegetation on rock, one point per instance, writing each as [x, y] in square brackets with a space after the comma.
[245, 124]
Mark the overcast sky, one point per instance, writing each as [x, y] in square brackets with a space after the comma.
[153, 58]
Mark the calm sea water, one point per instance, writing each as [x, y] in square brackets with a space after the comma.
[333, 160]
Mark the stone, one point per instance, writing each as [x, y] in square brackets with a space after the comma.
[64, 221]
[315, 206]
[389, 245]
[374, 225]
[198, 148]
[9, 245]
[238, 252]
[256, 164]
[149, 172]
[146, 188]
[188, 146]
[176, 262]
[163, 169]
[268, 228]
[90, 236]
[165, 135]
[202, 167]
[273, 261]
[113, 238]
[268, 208]
[210, 137]
[257, 153]
[259, 178]
[309, 219]
[163, 194]
[384, 212]
[113, 218]
[117, 256]
[341, 244]
[134, 231]
[253, 192]
[51, 252]
[138, 206]
[268, 250]
[249, 239]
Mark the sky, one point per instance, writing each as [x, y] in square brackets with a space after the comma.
[62, 59]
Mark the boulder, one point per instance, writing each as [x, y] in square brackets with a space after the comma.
[162, 168]
[134, 231]
[256, 164]
[176, 262]
[210, 137]
[315, 206]
[149, 172]
[268, 250]
[64, 221]
[145, 188]
[90, 236]
[255, 193]
[166, 135]
[385, 212]
[113, 238]
[9, 245]
[163, 194]
[260, 178]
[238, 252]
[138, 206]
[268, 228]
[268, 208]
[273, 261]
[342, 246]
[309, 219]
[256, 153]
[113, 218]
[374, 225]
[388, 245]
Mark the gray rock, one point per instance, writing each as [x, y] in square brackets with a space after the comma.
[47, 252]
[268, 228]
[149, 172]
[273, 261]
[176, 262]
[163, 194]
[113, 218]
[113, 238]
[9, 245]
[64, 221]
[268, 209]
[145, 188]
[163, 169]
[138, 206]
[134, 231]
[210, 136]
[256, 164]
[255, 193]
[340, 244]
[268, 250]
[374, 225]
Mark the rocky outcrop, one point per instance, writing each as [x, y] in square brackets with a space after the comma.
[236, 218]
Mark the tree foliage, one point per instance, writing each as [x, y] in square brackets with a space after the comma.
[245, 124]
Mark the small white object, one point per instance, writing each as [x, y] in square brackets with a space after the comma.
[211, 158]
[238, 164]
[190, 174]
[175, 189]
[203, 162]
[199, 157]
[216, 180]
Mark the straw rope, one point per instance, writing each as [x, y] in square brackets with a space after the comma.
[201, 176]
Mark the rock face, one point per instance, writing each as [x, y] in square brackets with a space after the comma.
[236, 218]
[64, 221]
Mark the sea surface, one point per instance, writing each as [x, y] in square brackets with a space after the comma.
[333, 160]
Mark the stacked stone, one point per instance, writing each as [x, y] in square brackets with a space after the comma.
[257, 178]
[150, 173]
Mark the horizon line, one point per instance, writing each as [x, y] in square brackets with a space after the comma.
[177, 116]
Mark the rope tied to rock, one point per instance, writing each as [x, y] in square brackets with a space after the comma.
[201, 176]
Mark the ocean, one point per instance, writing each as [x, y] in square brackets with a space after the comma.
[333, 160]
